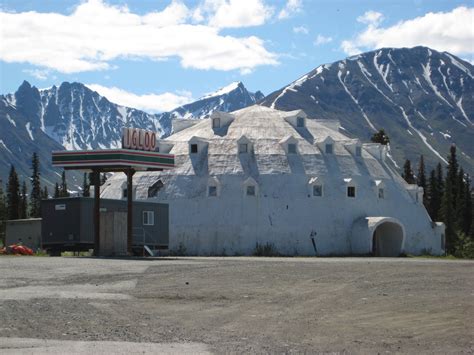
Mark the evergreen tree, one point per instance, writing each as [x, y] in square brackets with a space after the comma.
[23, 212]
[35, 198]
[421, 179]
[433, 196]
[440, 179]
[408, 172]
[447, 213]
[450, 202]
[380, 137]
[57, 193]
[44, 193]
[452, 173]
[464, 207]
[3, 213]
[13, 194]
[86, 186]
[63, 192]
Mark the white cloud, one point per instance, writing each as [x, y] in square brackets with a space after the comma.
[234, 13]
[371, 18]
[444, 31]
[320, 39]
[96, 33]
[292, 7]
[301, 29]
[40, 74]
[147, 102]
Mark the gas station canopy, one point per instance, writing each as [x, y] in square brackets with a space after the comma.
[112, 160]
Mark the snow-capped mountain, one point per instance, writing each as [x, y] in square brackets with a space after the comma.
[77, 117]
[424, 100]
[230, 98]
[19, 139]
[72, 116]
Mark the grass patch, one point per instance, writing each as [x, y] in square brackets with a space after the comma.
[267, 249]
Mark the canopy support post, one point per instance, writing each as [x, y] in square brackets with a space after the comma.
[96, 182]
[129, 173]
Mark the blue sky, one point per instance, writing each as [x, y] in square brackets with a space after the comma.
[155, 55]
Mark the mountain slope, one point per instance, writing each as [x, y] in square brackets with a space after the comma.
[77, 117]
[230, 98]
[421, 97]
[19, 140]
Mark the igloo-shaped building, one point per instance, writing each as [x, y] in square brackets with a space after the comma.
[263, 176]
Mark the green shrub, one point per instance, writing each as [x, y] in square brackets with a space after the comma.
[265, 250]
[464, 247]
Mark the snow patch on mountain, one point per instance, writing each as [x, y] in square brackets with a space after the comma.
[222, 91]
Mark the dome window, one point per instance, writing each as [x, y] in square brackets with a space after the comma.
[326, 145]
[380, 189]
[354, 146]
[212, 191]
[351, 191]
[296, 118]
[290, 145]
[250, 190]
[244, 145]
[350, 187]
[381, 193]
[315, 187]
[250, 187]
[317, 190]
[197, 145]
[213, 187]
[291, 148]
[300, 122]
[221, 119]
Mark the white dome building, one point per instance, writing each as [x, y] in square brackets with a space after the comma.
[262, 176]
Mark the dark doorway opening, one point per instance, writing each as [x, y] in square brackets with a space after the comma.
[387, 240]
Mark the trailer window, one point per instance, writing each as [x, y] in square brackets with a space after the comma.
[148, 218]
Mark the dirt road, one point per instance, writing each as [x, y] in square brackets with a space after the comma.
[242, 305]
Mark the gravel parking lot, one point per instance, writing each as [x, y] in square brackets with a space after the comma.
[238, 305]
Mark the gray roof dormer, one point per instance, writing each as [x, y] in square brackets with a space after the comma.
[297, 119]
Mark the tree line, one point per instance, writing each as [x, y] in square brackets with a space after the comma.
[448, 198]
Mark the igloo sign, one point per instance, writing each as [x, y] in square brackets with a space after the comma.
[139, 139]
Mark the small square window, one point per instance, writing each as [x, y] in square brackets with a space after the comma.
[194, 148]
[216, 123]
[328, 148]
[148, 218]
[212, 191]
[381, 193]
[299, 122]
[317, 190]
[358, 151]
[351, 191]
[243, 148]
[251, 190]
[291, 148]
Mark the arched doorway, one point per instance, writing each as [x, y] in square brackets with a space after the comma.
[387, 239]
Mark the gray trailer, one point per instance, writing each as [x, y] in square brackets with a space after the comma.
[68, 224]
